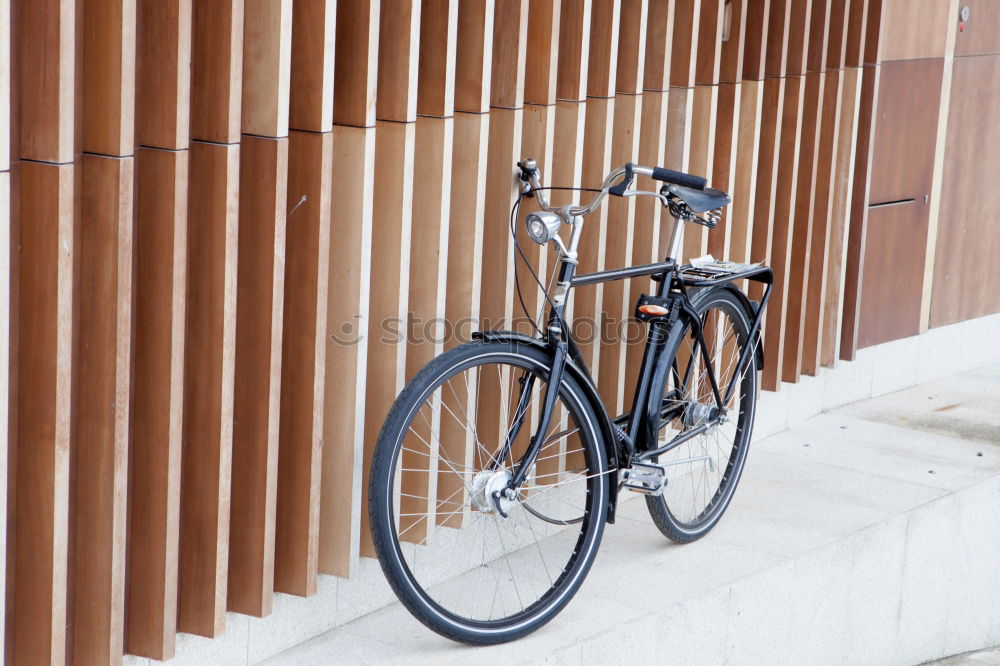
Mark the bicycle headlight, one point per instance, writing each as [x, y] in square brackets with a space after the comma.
[542, 227]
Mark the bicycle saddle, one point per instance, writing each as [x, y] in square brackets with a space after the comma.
[699, 201]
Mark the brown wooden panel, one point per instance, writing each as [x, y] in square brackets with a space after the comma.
[392, 217]
[684, 42]
[906, 134]
[840, 208]
[819, 36]
[758, 22]
[108, 77]
[213, 209]
[982, 31]
[41, 463]
[163, 73]
[497, 300]
[602, 69]
[968, 241]
[46, 45]
[711, 26]
[778, 38]
[314, 33]
[574, 49]
[802, 259]
[510, 39]
[766, 180]
[704, 114]
[648, 219]
[735, 40]
[256, 402]
[8, 378]
[857, 27]
[799, 36]
[300, 439]
[154, 456]
[873, 31]
[567, 151]
[543, 44]
[840, 12]
[616, 307]
[916, 28]
[659, 45]
[586, 302]
[436, 75]
[632, 46]
[740, 214]
[895, 242]
[723, 175]
[5, 101]
[267, 57]
[347, 348]
[474, 55]
[356, 63]
[398, 53]
[100, 464]
[819, 259]
[217, 70]
[854, 265]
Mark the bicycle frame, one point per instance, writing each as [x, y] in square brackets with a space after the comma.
[637, 430]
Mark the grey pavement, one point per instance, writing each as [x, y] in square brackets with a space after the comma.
[869, 534]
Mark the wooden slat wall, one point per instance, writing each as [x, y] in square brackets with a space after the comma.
[197, 312]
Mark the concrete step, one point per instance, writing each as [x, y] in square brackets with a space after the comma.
[865, 535]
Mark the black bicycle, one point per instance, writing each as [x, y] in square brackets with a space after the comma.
[498, 464]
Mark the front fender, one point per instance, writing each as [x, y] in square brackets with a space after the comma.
[587, 384]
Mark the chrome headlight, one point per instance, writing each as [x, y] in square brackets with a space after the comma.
[542, 227]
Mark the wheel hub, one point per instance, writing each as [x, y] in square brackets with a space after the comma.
[698, 413]
[490, 492]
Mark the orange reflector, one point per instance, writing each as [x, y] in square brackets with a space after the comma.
[653, 310]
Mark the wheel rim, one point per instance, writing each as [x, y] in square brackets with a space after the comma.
[700, 469]
[470, 563]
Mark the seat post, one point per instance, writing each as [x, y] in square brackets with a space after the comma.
[675, 240]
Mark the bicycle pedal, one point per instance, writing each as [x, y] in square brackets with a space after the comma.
[644, 478]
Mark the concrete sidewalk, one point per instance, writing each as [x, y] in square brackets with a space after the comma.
[865, 535]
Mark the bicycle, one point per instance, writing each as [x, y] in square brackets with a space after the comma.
[498, 464]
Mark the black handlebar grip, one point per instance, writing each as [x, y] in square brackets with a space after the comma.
[679, 178]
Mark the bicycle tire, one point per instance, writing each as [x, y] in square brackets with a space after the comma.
[428, 596]
[665, 509]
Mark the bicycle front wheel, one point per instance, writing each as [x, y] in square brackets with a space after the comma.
[702, 472]
[473, 566]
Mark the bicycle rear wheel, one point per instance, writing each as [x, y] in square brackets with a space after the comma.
[703, 472]
[472, 566]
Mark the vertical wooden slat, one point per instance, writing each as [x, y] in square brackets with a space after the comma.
[537, 143]
[398, 49]
[163, 73]
[684, 42]
[155, 451]
[206, 465]
[356, 63]
[510, 40]
[102, 402]
[313, 47]
[5, 361]
[391, 216]
[474, 55]
[6, 55]
[47, 248]
[543, 43]
[659, 45]
[724, 161]
[711, 24]
[740, 215]
[347, 348]
[108, 77]
[267, 53]
[217, 70]
[574, 49]
[632, 46]
[259, 302]
[618, 252]
[737, 40]
[436, 75]
[47, 79]
[307, 250]
[758, 20]
[703, 119]
[602, 69]
[839, 215]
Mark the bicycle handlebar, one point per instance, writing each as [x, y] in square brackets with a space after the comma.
[533, 186]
